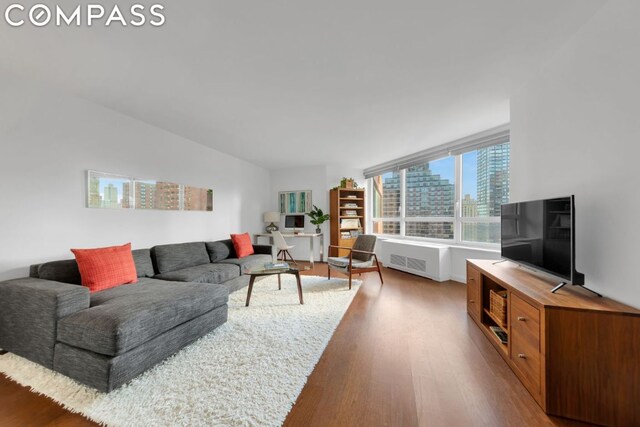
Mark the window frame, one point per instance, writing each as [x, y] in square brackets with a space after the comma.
[458, 220]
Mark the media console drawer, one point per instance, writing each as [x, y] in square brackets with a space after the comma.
[525, 320]
[474, 306]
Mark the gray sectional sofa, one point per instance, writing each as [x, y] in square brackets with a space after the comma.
[107, 338]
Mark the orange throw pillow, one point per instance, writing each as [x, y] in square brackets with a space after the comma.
[105, 268]
[242, 245]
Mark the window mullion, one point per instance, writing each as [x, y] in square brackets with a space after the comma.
[457, 212]
[403, 197]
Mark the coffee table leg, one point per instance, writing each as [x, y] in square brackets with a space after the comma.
[299, 287]
[279, 283]
[251, 280]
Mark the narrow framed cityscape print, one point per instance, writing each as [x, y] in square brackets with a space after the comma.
[111, 191]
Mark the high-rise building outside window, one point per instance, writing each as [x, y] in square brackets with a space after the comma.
[456, 198]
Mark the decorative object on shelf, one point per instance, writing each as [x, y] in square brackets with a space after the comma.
[317, 218]
[348, 183]
[272, 218]
[110, 191]
[498, 306]
[294, 201]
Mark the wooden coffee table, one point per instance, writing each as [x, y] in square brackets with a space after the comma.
[261, 271]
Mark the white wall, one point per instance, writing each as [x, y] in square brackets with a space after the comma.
[47, 143]
[575, 130]
[318, 179]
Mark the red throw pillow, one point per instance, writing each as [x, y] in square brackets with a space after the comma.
[105, 268]
[242, 245]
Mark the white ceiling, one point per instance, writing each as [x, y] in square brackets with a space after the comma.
[284, 83]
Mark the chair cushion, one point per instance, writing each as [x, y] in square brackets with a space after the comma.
[364, 242]
[222, 249]
[104, 268]
[206, 273]
[343, 262]
[180, 255]
[242, 244]
[124, 317]
[249, 262]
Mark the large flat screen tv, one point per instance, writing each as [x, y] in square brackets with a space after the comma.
[541, 234]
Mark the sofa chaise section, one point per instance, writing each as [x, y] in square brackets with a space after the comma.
[128, 329]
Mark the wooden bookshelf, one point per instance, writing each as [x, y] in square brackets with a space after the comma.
[342, 202]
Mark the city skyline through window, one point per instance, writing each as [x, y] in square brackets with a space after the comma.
[427, 201]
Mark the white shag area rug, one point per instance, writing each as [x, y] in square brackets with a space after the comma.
[248, 372]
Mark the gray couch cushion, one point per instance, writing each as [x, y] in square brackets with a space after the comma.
[248, 262]
[144, 265]
[124, 317]
[222, 249]
[206, 273]
[66, 271]
[180, 255]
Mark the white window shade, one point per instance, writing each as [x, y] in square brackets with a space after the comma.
[494, 136]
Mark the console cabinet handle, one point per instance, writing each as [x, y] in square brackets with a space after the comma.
[521, 318]
[522, 355]
[472, 300]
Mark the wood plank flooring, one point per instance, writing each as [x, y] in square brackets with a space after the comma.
[405, 354]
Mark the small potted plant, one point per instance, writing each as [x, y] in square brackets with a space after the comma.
[317, 217]
[348, 183]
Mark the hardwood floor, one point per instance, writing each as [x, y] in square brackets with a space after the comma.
[405, 354]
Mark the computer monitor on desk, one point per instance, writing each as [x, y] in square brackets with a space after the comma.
[294, 222]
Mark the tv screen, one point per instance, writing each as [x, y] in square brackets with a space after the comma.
[294, 221]
[540, 234]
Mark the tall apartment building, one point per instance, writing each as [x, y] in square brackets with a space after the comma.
[110, 199]
[95, 200]
[167, 196]
[493, 179]
[197, 199]
[469, 206]
[145, 195]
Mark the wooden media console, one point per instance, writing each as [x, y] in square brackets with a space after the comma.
[577, 354]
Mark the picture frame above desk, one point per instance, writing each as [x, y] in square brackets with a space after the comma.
[295, 202]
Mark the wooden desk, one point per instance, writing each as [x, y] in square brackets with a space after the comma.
[310, 236]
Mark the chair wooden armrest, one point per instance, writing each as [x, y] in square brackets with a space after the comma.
[363, 252]
[341, 247]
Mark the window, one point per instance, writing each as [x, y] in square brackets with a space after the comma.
[386, 203]
[485, 187]
[455, 198]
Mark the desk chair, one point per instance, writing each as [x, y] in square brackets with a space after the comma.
[360, 259]
[282, 246]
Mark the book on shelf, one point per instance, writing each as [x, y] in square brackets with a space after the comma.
[276, 265]
[345, 234]
[350, 223]
[500, 333]
[350, 205]
[354, 233]
[350, 213]
[352, 196]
